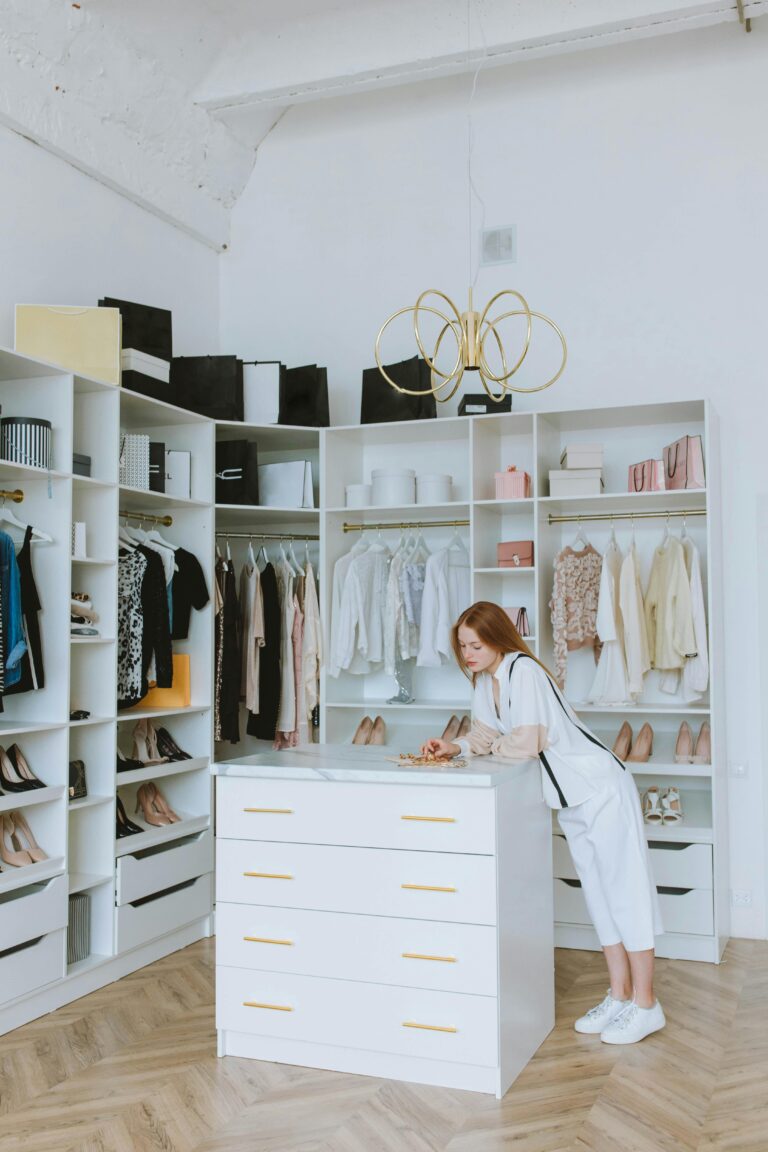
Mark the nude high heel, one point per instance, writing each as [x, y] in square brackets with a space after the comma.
[14, 858]
[21, 833]
[378, 731]
[643, 747]
[703, 751]
[145, 744]
[363, 733]
[161, 804]
[451, 729]
[684, 744]
[623, 741]
[146, 802]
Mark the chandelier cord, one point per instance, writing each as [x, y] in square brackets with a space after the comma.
[471, 186]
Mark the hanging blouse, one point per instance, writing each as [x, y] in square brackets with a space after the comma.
[668, 613]
[263, 724]
[573, 606]
[633, 616]
[286, 713]
[447, 592]
[252, 631]
[695, 675]
[312, 651]
[32, 673]
[188, 590]
[610, 684]
[131, 567]
[358, 624]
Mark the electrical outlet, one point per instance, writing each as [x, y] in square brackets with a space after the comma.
[738, 770]
[741, 898]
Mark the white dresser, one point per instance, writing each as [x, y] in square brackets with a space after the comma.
[383, 921]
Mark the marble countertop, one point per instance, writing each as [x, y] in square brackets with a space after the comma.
[345, 762]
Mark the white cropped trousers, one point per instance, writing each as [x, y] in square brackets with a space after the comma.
[606, 837]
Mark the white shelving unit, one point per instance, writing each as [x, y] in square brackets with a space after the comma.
[79, 837]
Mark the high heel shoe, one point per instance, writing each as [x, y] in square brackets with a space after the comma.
[378, 731]
[451, 729]
[13, 857]
[124, 826]
[702, 753]
[145, 744]
[12, 779]
[363, 733]
[23, 839]
[18, 759]
[623, 743]
[684, 744]
[151, 813]
[126, 764]
[161, 804]
[672, 807]
[464, 727]
[167, 746]
[642, 748]
[652, 814]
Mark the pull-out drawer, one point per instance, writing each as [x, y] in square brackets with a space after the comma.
[155, 916]
[423, 885]
[156, 869]
[674, 865]
[26, 913]
[682, 910]
[31, 965]
[406, 1021]
[376, 815]
[375, 949]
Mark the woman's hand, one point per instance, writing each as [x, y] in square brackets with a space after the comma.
[439, 748]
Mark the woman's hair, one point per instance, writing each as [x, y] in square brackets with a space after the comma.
[495, 629]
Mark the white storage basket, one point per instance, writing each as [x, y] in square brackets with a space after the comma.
[134, 459]
[393, 486]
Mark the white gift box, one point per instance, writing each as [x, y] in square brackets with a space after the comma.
[132, 360]
[576, 482]
[286, 485]
[582, 456]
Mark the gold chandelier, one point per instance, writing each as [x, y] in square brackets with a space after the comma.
[471, 330]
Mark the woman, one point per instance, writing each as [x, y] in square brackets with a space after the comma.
[520, 714]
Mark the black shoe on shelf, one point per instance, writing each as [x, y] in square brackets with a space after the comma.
[15, 773]
[126, 764]
[167, 746]
[124, 826]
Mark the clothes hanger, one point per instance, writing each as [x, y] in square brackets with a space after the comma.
[229, 552]
[580, 537]
[684, 533]
[8, 517]
[262, 552]
[613, 541]
[666, 535]
[457, 542]
[251, 557]
[292, 558]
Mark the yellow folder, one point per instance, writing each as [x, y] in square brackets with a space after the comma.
[82, 340]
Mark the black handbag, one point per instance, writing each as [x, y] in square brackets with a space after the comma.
[480, 404]
[210, 385]
[146, 329]
[382, 403]
[304, 396]
[156, 466]
[237, 472]
[78, 789]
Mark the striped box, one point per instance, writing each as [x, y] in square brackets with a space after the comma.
[26, 440]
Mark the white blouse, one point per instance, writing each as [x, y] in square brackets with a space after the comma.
[535, 721]
[447, 592]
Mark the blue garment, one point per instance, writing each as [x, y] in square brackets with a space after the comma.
[14, 643]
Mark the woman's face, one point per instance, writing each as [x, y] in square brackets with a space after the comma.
[477, 656]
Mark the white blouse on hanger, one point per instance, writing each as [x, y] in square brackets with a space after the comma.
[668, 612]
[359, 625]
[312, 651]
[447, 593]
[636, 652]
[610, 684]
[695, 677]
[358, 665]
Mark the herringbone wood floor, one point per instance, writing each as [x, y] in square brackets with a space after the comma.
[133, 1068]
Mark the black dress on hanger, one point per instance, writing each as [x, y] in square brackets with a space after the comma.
[264, 724]
[32, 673]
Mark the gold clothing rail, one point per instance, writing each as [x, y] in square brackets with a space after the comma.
[147, 517]
[266, 536]
[665, 515]
[402, 524]
[16, 495]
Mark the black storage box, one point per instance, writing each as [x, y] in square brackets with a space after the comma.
[383, 403]
[144, 328]
[304, 396]
[210, 385]
[480, 404]
[81, 465]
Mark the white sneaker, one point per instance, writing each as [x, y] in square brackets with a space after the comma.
[598, 1018]
[633, 1024]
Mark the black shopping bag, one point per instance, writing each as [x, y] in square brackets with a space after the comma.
[383, 403]
[210, 385]
[304, 396]
[145, 328]
[237, 472]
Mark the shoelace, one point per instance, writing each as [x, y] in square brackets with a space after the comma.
[625, 1017]
[599, 1009]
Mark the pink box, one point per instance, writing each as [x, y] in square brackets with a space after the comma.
[512, 485]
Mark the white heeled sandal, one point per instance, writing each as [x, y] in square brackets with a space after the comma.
[672, 807]
[652, 813]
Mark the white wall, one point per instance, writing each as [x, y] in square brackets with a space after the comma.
[637, 177]
[66, 239]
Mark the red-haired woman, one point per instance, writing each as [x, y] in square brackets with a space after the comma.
[520, 714]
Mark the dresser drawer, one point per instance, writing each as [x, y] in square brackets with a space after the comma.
[26, 913]
[682, 910]
[375, 815]
[674, 865]
[421, 885]
[155, 916]
[154, 870]
[32, 965]
[375, 949]
[405, 1021]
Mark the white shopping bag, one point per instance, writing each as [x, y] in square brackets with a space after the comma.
[286, 485]
[261, 393]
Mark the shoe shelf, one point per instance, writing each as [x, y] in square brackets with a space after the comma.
[159, 771]
[83, 881]
[12, 878]
[92, 641]
[10, 728]
[10, 801]
[186, 826]
[91, 720]
[414, 706]
[656, 709]
[96, 561]
[89, 802]
[139, 713]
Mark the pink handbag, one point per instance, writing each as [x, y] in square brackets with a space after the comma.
[515, 554]
[684, 464]
[512, 485]
[647, 476]
[519, 617]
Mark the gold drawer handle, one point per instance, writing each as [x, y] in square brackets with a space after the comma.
[275, 811]
[423, 956]
[272, 1007]
[270, 875]
[427, 888]
[428, 1027]
[265, 940]
[432, 819]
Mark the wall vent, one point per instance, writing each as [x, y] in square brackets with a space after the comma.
[499, 245]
